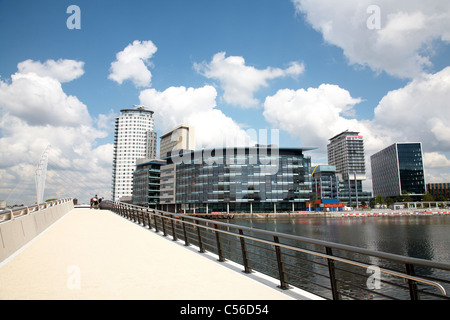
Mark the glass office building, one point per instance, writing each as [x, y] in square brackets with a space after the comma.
[146, 182]
[251, 179]
[326, 183]
[398, 168]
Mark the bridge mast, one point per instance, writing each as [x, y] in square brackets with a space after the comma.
[41, 174]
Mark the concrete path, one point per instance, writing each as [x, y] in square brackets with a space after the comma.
[96, 254]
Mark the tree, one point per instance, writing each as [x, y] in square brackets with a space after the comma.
[379, 199]
[427, 197]
[405, 196]
[389, 201]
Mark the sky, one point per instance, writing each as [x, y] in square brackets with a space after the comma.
[290, 72]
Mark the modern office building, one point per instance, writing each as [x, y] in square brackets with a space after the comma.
[346, 153]
[180, 138]
[167, 187]
[326, 182]
[247, 179]
[146, 182]
[133, 128]
[151, 145]
[398, 168]
[440, 191]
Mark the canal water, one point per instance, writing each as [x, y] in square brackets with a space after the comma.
[424, 237]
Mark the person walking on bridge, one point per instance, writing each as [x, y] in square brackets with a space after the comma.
[95, 202]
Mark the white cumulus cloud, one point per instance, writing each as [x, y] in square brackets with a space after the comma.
[41, 100]
[132, 64]
[313, 115]
[401, 46]
[62, 70]
[195, 107]
[35, 112]
[419, 111]
[239, 81]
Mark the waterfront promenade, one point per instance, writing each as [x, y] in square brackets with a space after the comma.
[96, 254]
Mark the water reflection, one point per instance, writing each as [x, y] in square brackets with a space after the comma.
[425, 237]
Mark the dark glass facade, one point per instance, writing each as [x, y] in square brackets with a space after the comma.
[243, 180]
[411, 168]
[398, 168]
[146, 183]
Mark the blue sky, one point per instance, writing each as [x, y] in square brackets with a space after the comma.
[344, 71]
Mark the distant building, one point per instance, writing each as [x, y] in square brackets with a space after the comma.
[132, 135]
[440, 191]
[346, 153]
[246, 179]
[151, 145]
[168, 187]
[146, 182]
[180, 138]
[398, 168]
[326, 183]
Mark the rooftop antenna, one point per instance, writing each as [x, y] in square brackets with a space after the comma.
[139, 106]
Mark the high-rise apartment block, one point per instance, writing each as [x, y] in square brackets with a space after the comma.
[133, 139]
[180, 138]
[346, 153]
[398, 168]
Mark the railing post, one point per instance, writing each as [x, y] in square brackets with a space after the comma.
[133, 213]
[163, 224]
[283, 281]
[149, 219]
[186, 240]
[200, 242]
[141, 212]
[219, 245]
[174, 234]
[245, 260]
[332, 273]
[413, 291]
[127, 213]
[156, 221]
[136, 211]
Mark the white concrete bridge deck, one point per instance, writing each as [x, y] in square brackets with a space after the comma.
[96, 254]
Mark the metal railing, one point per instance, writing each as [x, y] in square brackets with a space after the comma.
[16, 212]
[326, 269]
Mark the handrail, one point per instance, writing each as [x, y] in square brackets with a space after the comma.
[322, 255]
[27, 209]
[328, 245]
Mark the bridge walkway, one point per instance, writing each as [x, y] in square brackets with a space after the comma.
[96, 254]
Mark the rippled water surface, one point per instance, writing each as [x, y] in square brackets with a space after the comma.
[425, 237]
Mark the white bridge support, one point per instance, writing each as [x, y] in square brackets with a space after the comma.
[40, 176]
